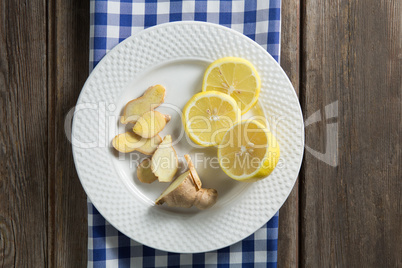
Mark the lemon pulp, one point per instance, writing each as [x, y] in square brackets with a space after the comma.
[248, 152]
[236, 77]
[207, 116]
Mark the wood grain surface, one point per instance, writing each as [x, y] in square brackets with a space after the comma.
[351, 53]
[23, 134]
[343, 214]
[69, 43]
[288, 242]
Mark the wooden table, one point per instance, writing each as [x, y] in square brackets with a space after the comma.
[339, 50]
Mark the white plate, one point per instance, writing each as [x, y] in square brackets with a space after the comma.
[176, 56]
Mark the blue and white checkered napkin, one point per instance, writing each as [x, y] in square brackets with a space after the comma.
[111, 22]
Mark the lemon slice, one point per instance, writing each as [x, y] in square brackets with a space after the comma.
[208, 115]
[236, 77]
[248, 152]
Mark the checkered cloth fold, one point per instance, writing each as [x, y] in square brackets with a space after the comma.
[111, 22]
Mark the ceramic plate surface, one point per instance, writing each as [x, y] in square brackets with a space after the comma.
[176, 55]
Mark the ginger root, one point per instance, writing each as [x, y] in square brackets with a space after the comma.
[152, 98]
[164, 162]
[129, 142]
[186, 191]
[144, 172]
[150, 124]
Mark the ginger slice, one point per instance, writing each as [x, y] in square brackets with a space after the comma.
[129, 142]
[193, 172]
[153, 97]
[183, 193]
[164, 162]
[144, 172]
[150, 124]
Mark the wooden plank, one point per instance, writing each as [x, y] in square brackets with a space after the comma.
[23, 134]
[288, 241]
[70, 40]
[351, 53]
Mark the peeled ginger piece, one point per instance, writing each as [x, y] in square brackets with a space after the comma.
[150, 124]
[129, 142]
[144, 172]
[153, 97]
[164, 161]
